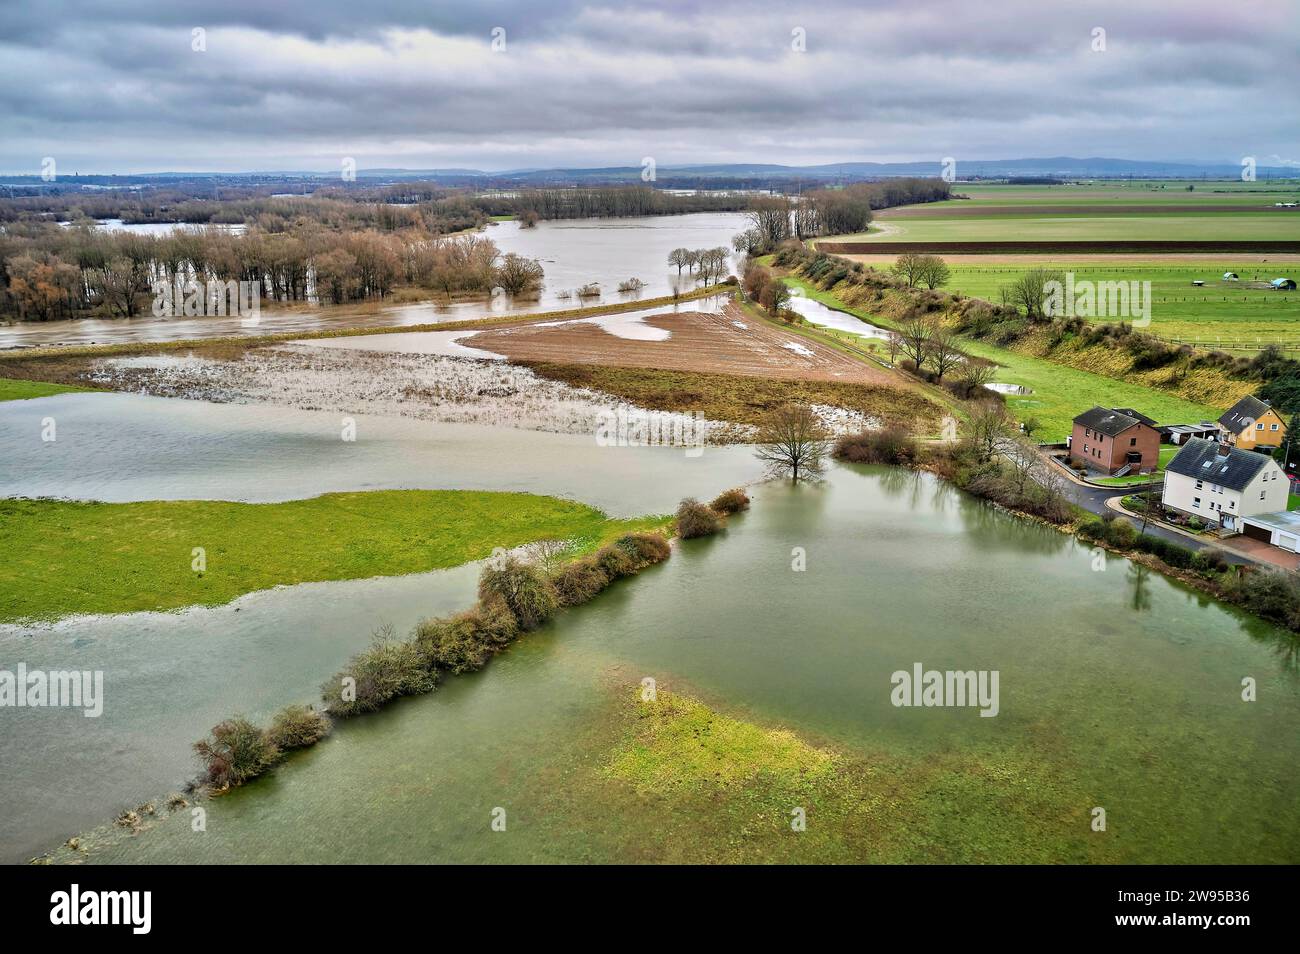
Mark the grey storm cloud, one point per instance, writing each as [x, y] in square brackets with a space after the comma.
[117, 87]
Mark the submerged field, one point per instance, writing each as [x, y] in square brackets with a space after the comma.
[774, 693]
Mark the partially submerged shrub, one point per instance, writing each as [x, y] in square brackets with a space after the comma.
[616, 562]
[465, 642]
[526, 591]
[579, 582]
[387, 669]
[730, 501]
[296, 727]
[495, 625]
[644, 548]
[452, 644]
[892, 445]
[694, 519]
[235, 752]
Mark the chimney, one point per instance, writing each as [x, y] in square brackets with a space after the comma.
[1224, 449]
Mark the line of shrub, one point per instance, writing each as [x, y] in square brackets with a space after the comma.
[514, 597]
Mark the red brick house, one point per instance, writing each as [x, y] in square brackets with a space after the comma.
[1116, 441]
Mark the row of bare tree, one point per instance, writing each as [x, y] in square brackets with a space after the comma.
[774, 219]
[712, 263]
[54, 272]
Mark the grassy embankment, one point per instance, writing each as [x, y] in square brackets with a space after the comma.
[1060, 391]
[12, 389]
[65, 557]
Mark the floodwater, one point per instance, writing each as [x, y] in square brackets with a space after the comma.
[122, 447]
[171, 676]
[815, 313]
[1121, 687]
[574, 252]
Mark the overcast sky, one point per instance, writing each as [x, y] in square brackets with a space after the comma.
[117, 85]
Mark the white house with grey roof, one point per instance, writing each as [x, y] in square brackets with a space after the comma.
[1220, 484]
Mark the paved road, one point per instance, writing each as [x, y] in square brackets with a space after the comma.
[1093, 499]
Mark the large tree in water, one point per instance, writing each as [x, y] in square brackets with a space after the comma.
[793, 442]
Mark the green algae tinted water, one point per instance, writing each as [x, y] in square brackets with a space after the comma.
[1118, 689]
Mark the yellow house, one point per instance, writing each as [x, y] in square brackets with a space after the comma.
[1252, 423]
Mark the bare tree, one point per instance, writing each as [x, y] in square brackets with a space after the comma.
[547, 555]
[915, 336]
[517, 275]
[771, 217]
[933, 272]
[793, 441]
[680, 258]
[1030, 291]
[976, 374]
[986, 428]
[893, 344]
[910, 266]
[944, 352]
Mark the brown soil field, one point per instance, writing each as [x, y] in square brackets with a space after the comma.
[958, 211]
[699, 342]
[1057, 248]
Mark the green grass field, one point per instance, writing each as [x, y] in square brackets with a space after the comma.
[1219, 315]
[1059, 392]
[1174, 193]
[12, 389]
[65, 557]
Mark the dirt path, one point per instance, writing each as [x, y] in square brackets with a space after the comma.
[730, 342]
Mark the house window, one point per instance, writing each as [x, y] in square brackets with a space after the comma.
[1085, 448]
[1259, 426]
[1272, 427]
[1196, 502]
[1262, 493]
[1132, 442]
[1198, 484]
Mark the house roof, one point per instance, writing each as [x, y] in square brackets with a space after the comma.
[1201, 459]
[1244, 413]
[1136, 415]
[1108, 421]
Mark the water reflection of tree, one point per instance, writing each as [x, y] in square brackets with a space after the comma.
[1281, 642]
[902, 482]
[995, 529]
[1139, 581]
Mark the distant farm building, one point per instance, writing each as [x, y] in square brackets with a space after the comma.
[1181, 433]
[1230, 277]
[1283, 284]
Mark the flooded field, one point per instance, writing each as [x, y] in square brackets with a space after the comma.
[1134, 705]
[573, 253]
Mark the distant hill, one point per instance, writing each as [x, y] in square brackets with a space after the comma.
[729, 175]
